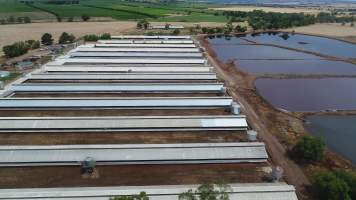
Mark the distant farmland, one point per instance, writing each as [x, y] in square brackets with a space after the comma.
[112, 9]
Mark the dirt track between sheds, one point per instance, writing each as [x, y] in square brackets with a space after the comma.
[58, 94]
[36, 138]
[113, 112]
[21, 177]
[240, 87]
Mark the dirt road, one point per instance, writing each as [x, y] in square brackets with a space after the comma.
[277, 152]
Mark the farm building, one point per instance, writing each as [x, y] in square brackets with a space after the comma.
[119, 117]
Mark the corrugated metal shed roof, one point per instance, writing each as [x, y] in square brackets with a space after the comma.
[246, 191]
[29, 155]
[147, 45]
[150, 37]
[130, 65]
[131, 123]
[64, 68]
[153, 102]
[130, 54]
[97, 49]
[122, 76]
[128, 61]
[146, 41]
[122, 87]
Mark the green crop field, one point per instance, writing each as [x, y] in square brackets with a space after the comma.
[11, 6]
[118, 9]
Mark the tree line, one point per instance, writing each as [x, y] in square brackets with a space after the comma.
[261, 20]
[13, 20]
[22, 47]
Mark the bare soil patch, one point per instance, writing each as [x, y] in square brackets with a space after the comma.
[24, 177]
[19, 32]
[37, 138]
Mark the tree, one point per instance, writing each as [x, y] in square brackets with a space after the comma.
[240, 29]
[27, 20]
[85, 18]
[19, 20]
[207, 192]
[141, 196]
[176, 32]
[65, 38]
[143, 24]
[47, 39]
[219, 30]
[328, 186]
[350, 179]
[309, 149]
[229, 26]
[11, 20]
[204, 30]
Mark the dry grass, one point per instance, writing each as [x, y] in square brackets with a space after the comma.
[270, 9]
[14, 33]
[332, 30]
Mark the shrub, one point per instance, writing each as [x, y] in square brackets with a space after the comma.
[332, 186]
[309, 149]
[91, 38]
[204, 30]
[105, 36]
[33, 44]
[85, 18]
[141, 196]
[47, 39]
[207, 192]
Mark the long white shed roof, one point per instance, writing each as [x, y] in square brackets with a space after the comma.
[147, 45]
[119, 87]
[146, 41]
[123, 154]
[97, 49]
[139, 102]
[128, 61]
[135, 54]
[127, 123]
[150, 37]
[122, 76]
[65, 68]
[131, 65]
[245, 191]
